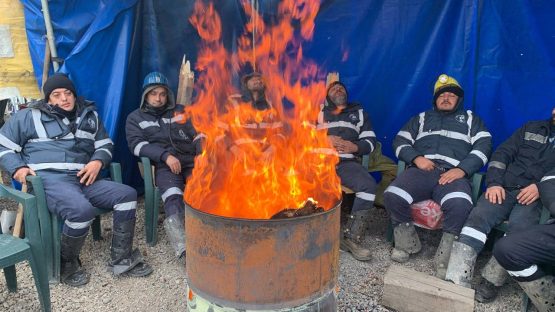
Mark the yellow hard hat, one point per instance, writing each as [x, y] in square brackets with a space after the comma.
[446, 83]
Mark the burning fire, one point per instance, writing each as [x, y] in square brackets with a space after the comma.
[286, 165]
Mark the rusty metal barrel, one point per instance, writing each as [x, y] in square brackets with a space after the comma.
[242, 264]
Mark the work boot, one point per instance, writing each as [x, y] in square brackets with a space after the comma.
[461, 264]
[72, 273]
[485, 291]
[353, 233]
[175, 230]
[541, 292]
[493, 277]
[443, 252]
[406, 242]
[124, 258]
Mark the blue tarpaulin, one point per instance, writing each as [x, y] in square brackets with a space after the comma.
[388, 53]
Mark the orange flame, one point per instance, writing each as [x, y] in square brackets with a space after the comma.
[275, 168]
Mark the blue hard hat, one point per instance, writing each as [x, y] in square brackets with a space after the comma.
[155, 78]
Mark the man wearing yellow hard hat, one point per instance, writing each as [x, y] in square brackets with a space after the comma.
[444, 147]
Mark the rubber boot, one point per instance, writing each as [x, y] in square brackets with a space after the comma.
[406, 242]
[461, 264]
[124, 258]
[353, 233]
[541, 292]
[175, 230]
[493, 277]
[72, 273]
[443, 252]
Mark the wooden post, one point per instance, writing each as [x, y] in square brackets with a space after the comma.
[409, 290]
[186, 81]
[19, 217]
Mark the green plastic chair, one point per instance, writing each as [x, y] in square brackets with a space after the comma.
[477, 181]
[51, 224]
[14, 250]
[152, 201]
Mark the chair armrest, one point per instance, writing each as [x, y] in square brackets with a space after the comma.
[148, 172]
[477, 181]
[33, 227]
[366, 161]
[115, 172]
[401, 166]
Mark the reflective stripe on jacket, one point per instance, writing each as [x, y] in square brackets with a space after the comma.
[41, 139]
[451, 139]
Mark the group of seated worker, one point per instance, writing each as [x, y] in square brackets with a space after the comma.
[62, 139]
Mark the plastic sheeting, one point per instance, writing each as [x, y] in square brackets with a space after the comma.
[388, 52]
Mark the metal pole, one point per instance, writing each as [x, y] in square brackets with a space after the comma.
[50, 34]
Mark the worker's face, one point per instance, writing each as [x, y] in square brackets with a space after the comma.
[446, 101]
[338, 95]
[157, 97]
[256, 84]
[63, 98]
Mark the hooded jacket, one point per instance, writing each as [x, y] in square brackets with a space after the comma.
[42, 139]
[451, 139]
[157, 135]
[525, 158]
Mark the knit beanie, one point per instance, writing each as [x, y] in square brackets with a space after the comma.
[57, 81]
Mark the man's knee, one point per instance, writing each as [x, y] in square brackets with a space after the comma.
[502, 252]
[126, 192]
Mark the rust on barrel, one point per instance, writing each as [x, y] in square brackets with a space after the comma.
[271, 264]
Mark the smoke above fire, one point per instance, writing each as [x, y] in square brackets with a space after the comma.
[257, 162]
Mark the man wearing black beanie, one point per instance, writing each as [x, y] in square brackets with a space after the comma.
[61, 139]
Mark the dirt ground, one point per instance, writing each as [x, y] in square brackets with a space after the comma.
[360, 283]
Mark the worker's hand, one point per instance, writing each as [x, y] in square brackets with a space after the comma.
[451, 175]
[343, 146]
[174, 164]
[528, 194]
[495, 194]
[89, 173]
[21, 173]
[424, 163]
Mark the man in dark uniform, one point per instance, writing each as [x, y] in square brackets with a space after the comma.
[444, 147]
[350, 133]
[514, 173]
[62, 139]
[159, 130]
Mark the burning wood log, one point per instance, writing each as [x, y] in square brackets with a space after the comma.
[186, 80]
[308, 208]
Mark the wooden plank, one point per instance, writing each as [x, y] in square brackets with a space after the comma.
[19, 217]
[409, 290]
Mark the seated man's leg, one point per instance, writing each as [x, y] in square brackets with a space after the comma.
[356, 177]
[494, 276]
[171, 187]
[65, 198]
[413, 185]
[456, 203]
[123, 200]
[522, 254]
[473, 237]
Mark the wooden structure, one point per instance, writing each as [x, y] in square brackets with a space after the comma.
[409, 290]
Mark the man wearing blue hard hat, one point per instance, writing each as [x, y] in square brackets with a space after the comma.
[158, 130]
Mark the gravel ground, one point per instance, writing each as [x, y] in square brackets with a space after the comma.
[361, 284]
